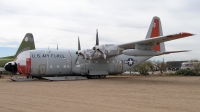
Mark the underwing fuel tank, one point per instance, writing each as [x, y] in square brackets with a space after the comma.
[136, 52]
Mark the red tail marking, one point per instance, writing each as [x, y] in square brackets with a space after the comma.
[155, 33]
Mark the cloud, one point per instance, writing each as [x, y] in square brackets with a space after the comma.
[62, 21]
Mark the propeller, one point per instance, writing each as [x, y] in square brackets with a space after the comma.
[97, 43]
[78, 52]
[95, 48]
[79, 48]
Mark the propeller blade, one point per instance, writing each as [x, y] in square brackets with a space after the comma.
[76, 59]
[79, 46]
[97, 39]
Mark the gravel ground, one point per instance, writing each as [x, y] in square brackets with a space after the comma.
[115, 93]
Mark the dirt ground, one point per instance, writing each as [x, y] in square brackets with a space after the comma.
[115, 93]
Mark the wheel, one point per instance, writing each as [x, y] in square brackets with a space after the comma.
[101, 76]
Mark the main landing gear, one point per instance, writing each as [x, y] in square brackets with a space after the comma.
[96, 76]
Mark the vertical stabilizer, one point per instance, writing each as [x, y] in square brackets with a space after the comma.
[26, 44]
[155, 30]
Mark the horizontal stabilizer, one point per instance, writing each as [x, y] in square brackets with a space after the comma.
[136, 52]
[169, 52]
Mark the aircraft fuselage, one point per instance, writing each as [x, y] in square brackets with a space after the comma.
[63, 62]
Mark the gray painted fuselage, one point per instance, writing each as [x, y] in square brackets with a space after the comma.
[63, 62]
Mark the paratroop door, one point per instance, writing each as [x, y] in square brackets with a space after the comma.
[119, 66]
[42, 69]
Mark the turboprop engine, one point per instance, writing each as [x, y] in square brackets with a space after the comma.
[136, 52]
[98, 51]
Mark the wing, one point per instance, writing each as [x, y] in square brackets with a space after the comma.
[155, 40]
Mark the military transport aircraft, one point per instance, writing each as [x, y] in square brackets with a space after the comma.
[97, 62]
[26, 44]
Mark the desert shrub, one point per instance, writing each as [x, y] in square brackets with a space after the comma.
[186, 72]
[142, 68]
[169, 74]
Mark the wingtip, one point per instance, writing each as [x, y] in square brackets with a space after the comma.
[187, 34]
[187, 50]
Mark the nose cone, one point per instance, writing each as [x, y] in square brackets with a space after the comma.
[11, 67]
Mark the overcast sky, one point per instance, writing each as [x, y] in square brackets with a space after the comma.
[60, 22]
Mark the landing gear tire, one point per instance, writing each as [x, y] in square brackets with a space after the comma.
[89, 76]
[29, 77]
[96, 76]
[92, 76]
[102, 76]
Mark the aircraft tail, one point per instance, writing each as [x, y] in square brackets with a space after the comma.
[26, 44]
[155, 30]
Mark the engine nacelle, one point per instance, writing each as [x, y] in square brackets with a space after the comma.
[136, 52]
[108, 49]
[100, 51]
